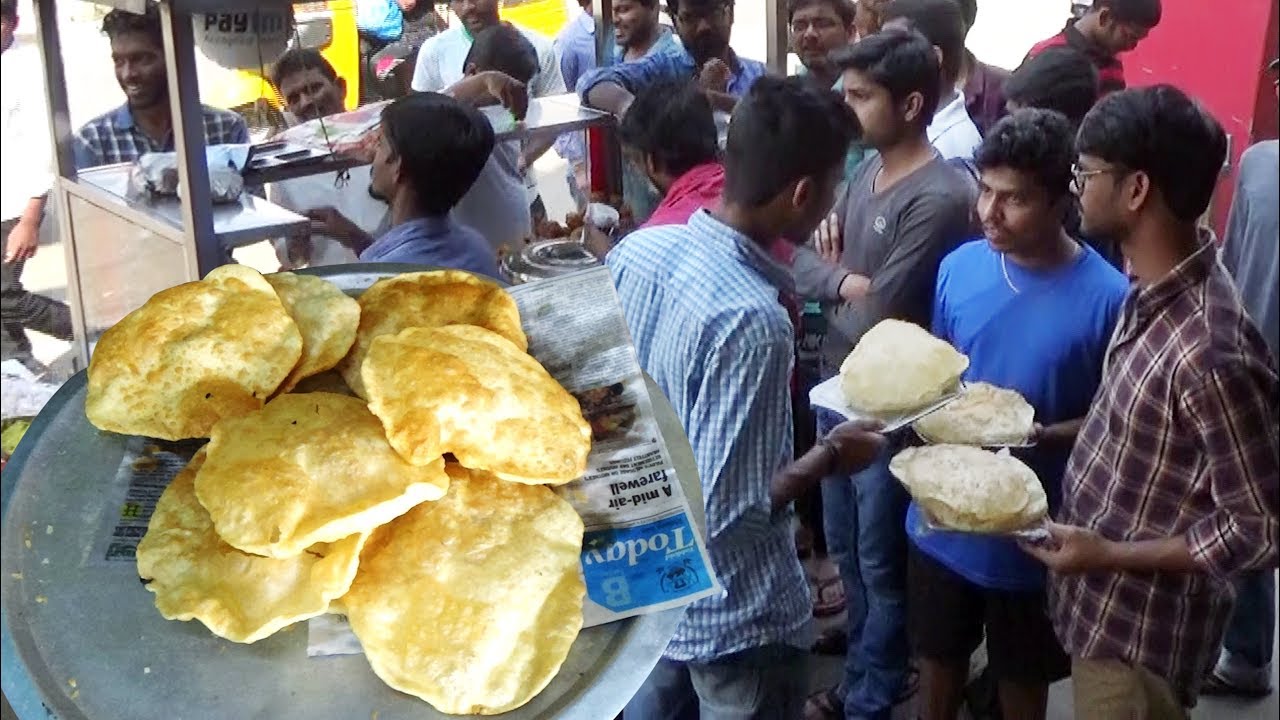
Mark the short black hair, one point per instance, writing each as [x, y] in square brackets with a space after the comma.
[941, 24]
[673, 6]
[1059, 78]
[1143, 13]
[1163, 133]
[649, 4]
[901, 62]
[442, 144]
[123, 22]
[299, 59]
[673, 123]
[968, 12]
[845, 9]
[783, 130]
[1034, 141]
[503, 48]
[9, 9]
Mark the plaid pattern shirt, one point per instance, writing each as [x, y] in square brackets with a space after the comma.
[114, 137]
[1181, 440]
[701, 301]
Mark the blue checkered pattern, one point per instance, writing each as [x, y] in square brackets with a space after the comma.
[114, 138]
[702, 304]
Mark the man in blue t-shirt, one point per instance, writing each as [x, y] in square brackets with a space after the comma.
[1033, 309]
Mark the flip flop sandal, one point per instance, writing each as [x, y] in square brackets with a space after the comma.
[824, 705]
[824, 604]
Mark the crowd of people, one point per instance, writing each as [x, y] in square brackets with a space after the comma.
[1047, 222]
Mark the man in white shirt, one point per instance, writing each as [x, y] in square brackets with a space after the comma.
[310, 89]
[498, 203]
[26, 183]
[952, 131]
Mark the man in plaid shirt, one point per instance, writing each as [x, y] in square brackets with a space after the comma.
[143, 124]
[1173, 485]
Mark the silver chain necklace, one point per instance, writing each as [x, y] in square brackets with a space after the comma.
[1004, 267]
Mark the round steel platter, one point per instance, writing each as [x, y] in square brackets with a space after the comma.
[84, 640]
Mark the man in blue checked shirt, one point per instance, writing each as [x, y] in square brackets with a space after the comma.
[704, 27]
[143, 124]
[701, 301]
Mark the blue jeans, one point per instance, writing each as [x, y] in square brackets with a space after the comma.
[1251, 633]
[764, 683]
[864, 518]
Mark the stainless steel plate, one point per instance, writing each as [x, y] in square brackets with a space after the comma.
[83, 640]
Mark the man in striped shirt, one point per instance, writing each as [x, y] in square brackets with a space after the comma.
[1173, 485]
[701, 301]
[1106, 29]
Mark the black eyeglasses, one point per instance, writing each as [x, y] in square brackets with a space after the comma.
[1080, 176]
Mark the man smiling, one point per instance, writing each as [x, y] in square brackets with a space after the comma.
[143, 124]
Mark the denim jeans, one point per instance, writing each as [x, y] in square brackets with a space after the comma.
[864, 516]
[1251, 634]
[764, 683]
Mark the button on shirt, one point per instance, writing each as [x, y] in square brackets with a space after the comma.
[1180, 441]
[701, 301]
[435, 241]
[28, 156]
[114, 138]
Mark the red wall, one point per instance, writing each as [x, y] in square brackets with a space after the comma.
[1218, 51]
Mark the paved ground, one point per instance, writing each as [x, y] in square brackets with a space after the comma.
[1005, 29]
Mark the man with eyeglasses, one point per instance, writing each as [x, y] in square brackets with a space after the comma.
[704, 27]
[1173, 485]
[1107, 29]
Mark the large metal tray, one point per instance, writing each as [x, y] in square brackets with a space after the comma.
[85, 641]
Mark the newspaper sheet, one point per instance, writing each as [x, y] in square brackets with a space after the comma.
[642, 551]
[145, 471]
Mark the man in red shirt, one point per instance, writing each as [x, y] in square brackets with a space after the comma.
[1108, 28]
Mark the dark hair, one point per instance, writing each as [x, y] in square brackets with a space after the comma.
[444, 162]
[9, 9]
[504, 48]
[1059, 78]
[673, 123]
[1166, 135]
[1037, 142]
[673, 6]
[298, 60]
[649, 4]
[941, 24]
[783, 130]
[123, 22]
[968, 12]
[901, 62]
[1143, 13]
[845, 9]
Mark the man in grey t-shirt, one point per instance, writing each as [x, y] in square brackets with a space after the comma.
[1251, 253]
[877, 257]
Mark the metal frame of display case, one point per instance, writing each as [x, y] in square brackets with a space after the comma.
[204, 232]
